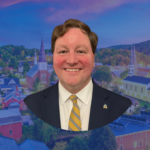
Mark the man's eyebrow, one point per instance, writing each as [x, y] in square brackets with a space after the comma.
[78, 46]
[62, 46]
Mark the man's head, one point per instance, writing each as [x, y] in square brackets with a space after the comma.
[73, 46]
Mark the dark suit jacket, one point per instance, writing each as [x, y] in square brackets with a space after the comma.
[45, 105]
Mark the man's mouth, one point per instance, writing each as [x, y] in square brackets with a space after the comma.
[72, 70]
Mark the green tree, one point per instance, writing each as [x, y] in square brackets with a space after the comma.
[2, 64]
[36, 84]
[41, 131]
[5, 71]
[13, 62]
[102, 76]
[136, 110]
[116, 89]
[5, 58]
[124, 74]
[26, 67]
[60, 145]
[22, 53]
[77, 144]
[102, 139]
[52, 76]
[12, 76]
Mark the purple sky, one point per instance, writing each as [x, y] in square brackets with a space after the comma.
[116, 22]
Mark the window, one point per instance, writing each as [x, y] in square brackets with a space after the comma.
[10, 132]
[140, 143]
[135, 88]
[126, 86]
[135, 135]
[24, 106]
[141, 134]
[10, 120]
[12, 99]
[121, 147]
[141, 89]
[130, 87]
[121, 138]
[43, 77]
[135, 144]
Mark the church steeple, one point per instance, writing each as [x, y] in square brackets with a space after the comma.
[131, 65]
[35, 58]
[42, 63]
[42, 53]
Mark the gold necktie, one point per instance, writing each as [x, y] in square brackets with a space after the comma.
[74, 120]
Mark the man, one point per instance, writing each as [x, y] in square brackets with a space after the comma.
[76, 102]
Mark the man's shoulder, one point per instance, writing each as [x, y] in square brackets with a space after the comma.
[35, 97]
[116, 98]
[118, 105]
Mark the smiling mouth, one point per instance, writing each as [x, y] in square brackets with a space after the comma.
[73, 71]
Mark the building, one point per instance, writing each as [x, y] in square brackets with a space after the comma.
[11, 123]
[116, 73]
[132, 132]
[8, 143]
[14, 99]
[20, 67]
[31, 63]
[8, 68]
[9, 83]
[50, 68]
[32, 145]
[136, 86]
[39, 69]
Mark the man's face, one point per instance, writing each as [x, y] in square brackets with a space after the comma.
[73, 50]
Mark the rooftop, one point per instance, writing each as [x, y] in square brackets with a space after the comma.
[129, 127]
[9, 112]
[33, 145]
[32, 71]
[8, 143]
[138, 79]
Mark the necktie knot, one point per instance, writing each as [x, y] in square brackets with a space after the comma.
[73, 98]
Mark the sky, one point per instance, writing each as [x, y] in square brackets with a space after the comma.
[116, 22]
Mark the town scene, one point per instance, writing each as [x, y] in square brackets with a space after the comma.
[126, 72]
[122, 65]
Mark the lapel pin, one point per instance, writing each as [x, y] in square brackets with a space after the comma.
[105, 106]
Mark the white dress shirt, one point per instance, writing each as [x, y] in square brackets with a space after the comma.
[66, 105]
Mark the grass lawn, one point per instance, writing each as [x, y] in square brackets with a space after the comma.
[142, 103]
[23, 114]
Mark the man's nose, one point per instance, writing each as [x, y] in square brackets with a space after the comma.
[72, 58]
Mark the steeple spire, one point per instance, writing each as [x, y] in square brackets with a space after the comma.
[35, 58]
[42, 53]
[131, 65]
[131, 56]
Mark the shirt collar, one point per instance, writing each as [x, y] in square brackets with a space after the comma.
[83, 94]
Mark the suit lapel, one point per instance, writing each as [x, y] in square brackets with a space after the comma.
[51, 106]
[98, 115]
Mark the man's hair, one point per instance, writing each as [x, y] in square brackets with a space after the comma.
[60, 30]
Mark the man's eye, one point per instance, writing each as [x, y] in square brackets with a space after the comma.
[81, 51]
[62, 51]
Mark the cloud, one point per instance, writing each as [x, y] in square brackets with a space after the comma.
[85, 9]
[6, 3]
